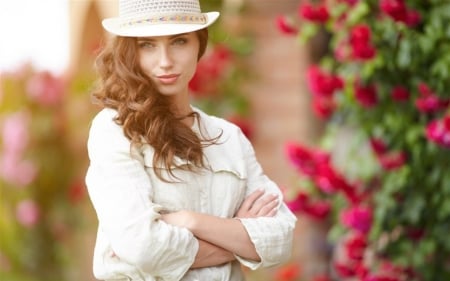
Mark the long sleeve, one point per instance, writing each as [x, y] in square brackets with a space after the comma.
[121, 193]
[272, 236]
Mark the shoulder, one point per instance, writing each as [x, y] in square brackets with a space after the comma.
[105, 116]
[105, 132]
[217, 124]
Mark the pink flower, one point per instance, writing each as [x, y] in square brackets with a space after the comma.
[378, 146]
[366, 95]
[355, 246]
[400, 93]
[438, 131]
[318, 210]
[76, 191]
[209, 71]
[343, 51]
[392, 160]
[358, 218]
[17, 172]
[323, 107]
[429, 102]
[321, 83]
[396, 9]
[345, 270]
[328, 180]
[360, 41]
[15, 133]
[46, 89]
[28, 213]
[306, 160]
[285, 25]
[314, 13]
[413, 18]
[299, 203]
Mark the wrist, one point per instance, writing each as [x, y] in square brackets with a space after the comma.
[191, 221]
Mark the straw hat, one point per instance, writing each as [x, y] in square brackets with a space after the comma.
[142, 18]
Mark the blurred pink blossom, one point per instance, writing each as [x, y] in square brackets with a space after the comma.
[15, 138]
[285, 25]
[15, 133]
[46, 88]
[358, 218]
[322, 83]
[438, 131]
[360, 41]
[400, 93]
[16, 171]
[28, 213]
[366, 95]
[428, 101]
[397, 10]
[315, 13]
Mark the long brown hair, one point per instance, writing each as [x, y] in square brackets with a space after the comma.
[142, 111]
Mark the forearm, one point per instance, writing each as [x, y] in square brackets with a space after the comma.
[211, 255]
[229, 234]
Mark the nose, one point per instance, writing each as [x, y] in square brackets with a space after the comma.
[165, 58]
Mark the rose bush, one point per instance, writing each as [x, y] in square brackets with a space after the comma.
[383, 164]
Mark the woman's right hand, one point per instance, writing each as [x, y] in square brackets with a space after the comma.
[259, 204]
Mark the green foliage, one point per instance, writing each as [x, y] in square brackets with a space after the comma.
[416, 195]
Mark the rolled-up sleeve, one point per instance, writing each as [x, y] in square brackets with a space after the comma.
[120, 190]
[272, 236]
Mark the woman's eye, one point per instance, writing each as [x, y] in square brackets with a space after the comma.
[180, 41]
[145, 45]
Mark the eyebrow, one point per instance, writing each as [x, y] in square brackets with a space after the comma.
[152, 38]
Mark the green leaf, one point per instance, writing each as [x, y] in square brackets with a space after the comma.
[307, 31]
[404, 54]
[357, 13]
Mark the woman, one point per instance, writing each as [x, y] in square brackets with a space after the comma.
[179, 194]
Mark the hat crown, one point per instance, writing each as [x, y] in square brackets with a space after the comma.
[132, 8]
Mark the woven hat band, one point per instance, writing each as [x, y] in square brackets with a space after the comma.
[168, 18]
[133, 8]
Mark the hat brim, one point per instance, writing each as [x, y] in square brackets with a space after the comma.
[115, 26]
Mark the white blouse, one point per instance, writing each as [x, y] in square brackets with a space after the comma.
[134, 244]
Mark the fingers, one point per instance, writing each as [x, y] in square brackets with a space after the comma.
[250, 200]
[265, 206]
[259, 204]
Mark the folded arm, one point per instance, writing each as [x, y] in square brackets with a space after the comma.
[225, 234]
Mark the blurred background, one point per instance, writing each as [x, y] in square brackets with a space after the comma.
[346, 103]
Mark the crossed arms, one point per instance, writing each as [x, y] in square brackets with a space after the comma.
[221, 238]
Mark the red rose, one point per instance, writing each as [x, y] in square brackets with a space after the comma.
[314, 13]
[400, 93]
[366, 95]
[323, 107]
[321, 83]
[285, 25]
[360, 41]
[357, 218]
[394, 8]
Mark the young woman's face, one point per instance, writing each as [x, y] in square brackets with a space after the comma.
[169, 61]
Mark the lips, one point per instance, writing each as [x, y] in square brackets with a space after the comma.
[168, 78]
